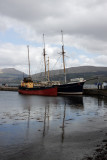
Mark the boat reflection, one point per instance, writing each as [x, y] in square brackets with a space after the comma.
[45, 109]
[74, 102]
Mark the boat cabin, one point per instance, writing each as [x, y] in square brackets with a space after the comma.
[27, 82]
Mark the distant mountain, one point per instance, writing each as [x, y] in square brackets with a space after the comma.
[8, 75]
[11, 75]
[10, 71]
[86, 72]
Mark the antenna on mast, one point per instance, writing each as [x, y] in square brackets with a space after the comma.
[63, 54]
[44, 54]
[28, 60]
[62, 38]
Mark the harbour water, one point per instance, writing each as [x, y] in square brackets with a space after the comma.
[56, 128]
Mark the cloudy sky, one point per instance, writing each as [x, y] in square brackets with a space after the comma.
[23, 22]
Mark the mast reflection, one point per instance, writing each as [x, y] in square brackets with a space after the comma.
[28, 116]
[63, 123]
[46, 117]
[28, 121]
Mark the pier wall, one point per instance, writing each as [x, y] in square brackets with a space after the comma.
[102, 92]
[3, 88]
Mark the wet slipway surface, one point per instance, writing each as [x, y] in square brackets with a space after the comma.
[56, 128]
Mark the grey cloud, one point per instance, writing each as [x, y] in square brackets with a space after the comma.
[31, 9]
[73, 15]
[82, 20]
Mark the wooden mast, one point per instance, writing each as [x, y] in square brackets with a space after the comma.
[63, 54]
[44, 54]
[48, 69]
[28, 60]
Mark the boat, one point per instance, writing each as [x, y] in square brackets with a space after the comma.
[75, 86]
[71, 88]
[28, 87]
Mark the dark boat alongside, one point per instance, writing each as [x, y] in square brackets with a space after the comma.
[73, 87]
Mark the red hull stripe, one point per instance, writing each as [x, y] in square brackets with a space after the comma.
[44, 92]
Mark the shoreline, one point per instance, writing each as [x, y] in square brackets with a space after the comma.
[101, 92]
[3, 88]
[99, 151]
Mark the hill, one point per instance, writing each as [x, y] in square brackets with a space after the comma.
[86, 72]
[11, 75]
[8, 75]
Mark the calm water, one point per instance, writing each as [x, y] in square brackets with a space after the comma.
[35, 127]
